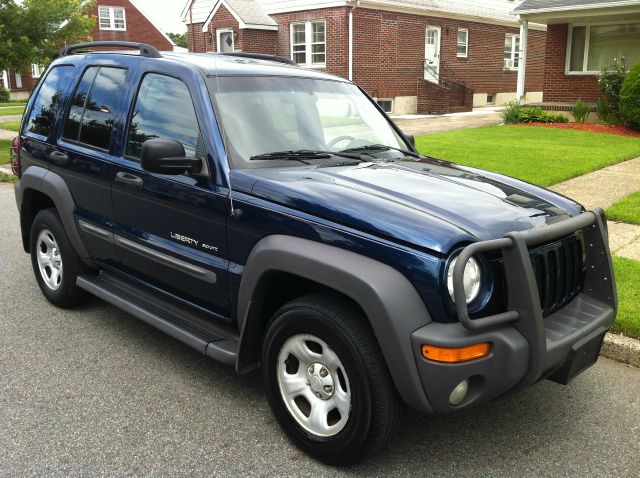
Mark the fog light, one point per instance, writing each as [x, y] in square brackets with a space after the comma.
[459, 393]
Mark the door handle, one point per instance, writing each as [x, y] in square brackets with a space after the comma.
[129, 179]
[59, 157]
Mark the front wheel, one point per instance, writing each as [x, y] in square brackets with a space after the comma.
[326, 380]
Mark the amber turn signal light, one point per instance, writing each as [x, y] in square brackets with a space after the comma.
[456, 354]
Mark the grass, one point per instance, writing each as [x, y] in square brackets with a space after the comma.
[13, 103]
[627, 274]
[543, 156]
[10, 125]
[626, 210]
[4, 151]
[6, 178]
[18, 110]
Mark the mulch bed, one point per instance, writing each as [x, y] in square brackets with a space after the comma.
[594, 128]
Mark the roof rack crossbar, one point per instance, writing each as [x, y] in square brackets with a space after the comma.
[261, 56]
[145, 49]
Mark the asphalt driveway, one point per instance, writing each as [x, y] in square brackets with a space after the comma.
[93, 391]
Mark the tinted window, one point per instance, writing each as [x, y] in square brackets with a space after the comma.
[163, 110]
[49, 100]
[94, 106]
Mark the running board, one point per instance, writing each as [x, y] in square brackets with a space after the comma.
[201, 333]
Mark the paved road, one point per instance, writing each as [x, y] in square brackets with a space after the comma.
[438, 124]
[94, 392]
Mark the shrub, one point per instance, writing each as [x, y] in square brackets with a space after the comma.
[630, 98]
[580, 111]
[603, 111]
[511, 114]
[610, 82]
[4, 94]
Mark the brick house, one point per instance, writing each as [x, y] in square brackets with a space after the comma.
[116, 20]
[413, 56]
[583, 38]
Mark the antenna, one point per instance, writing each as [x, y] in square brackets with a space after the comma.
[234, 213]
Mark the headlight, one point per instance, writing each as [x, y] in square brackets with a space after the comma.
[471, 279]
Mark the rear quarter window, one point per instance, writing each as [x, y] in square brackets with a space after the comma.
[50, 98]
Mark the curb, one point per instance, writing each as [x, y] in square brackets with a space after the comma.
[621, 349]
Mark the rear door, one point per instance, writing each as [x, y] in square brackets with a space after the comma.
[171, 230]
[83, 154]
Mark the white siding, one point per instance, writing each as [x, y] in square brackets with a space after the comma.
[200, 10]
[279, 6]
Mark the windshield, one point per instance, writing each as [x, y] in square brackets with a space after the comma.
[262, 115]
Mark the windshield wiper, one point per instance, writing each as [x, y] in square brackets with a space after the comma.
[379, 147]
[300, 154]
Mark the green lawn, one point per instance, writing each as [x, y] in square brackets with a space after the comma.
[13, 103]
[626, 210]
[627, 274]
[18, 110]
[4, 151]
[542, 156]
[10, 125]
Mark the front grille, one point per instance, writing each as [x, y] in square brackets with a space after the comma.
[558, 268]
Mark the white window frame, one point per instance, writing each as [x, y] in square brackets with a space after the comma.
[308, 35]
[112, 19]
[219, 32]
[466, 43]
[36, 70]
[567, 60]
[515, 52]
[18, 81]
[5, 80]
[386, 99]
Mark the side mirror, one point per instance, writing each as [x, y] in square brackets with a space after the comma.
[167, 156]
[410, 138]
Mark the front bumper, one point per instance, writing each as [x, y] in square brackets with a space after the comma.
[525, 346]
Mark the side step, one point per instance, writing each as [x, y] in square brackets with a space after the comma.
[197, 331]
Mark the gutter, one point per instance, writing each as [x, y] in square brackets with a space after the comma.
[353, 8]
[590, 6]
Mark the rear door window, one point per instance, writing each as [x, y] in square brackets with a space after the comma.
[164, 109]
[50, 99]
[94, 107]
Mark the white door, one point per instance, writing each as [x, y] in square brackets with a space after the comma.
[432, 54]
[225, 40]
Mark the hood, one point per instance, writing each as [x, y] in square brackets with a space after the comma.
[429, 203]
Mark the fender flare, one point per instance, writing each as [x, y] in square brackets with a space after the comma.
[51, 184]
[390, 302]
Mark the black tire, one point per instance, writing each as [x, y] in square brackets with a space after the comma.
[374, 400]
[67, 294]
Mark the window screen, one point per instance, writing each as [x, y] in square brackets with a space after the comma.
[163, 109]
[94, 107]
[50, 98]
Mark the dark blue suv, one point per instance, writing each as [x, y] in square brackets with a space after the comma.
[274, 217]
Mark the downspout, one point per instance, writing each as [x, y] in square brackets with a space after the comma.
[522, 63]
[356, 3]
[193, 42]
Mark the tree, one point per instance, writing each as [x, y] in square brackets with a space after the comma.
[179, 39]
[32, 31]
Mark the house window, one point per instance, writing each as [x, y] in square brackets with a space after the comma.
[18, 81]
[111, 18]
[592, 48]
[511, 51]
[491, 99]
[386, 104]
[463, 43]
[36, 70]
[308, 43]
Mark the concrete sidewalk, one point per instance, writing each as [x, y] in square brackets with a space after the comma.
[419, 125]
[602, 188]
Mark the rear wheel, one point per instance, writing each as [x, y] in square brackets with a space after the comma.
[55, 262]
[326, 380]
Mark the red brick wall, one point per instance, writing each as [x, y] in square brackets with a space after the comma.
[389, 54]
[27, 82]
[557, 85]
[389, 49]
[139, 29]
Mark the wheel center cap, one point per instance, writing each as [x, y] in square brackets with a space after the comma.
[320, 381]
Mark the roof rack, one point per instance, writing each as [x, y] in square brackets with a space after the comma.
[261, 56]
[145, 49]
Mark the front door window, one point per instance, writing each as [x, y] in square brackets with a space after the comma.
[225, 41]
[432, 54]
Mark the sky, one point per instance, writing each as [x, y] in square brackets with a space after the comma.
[165, 13]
